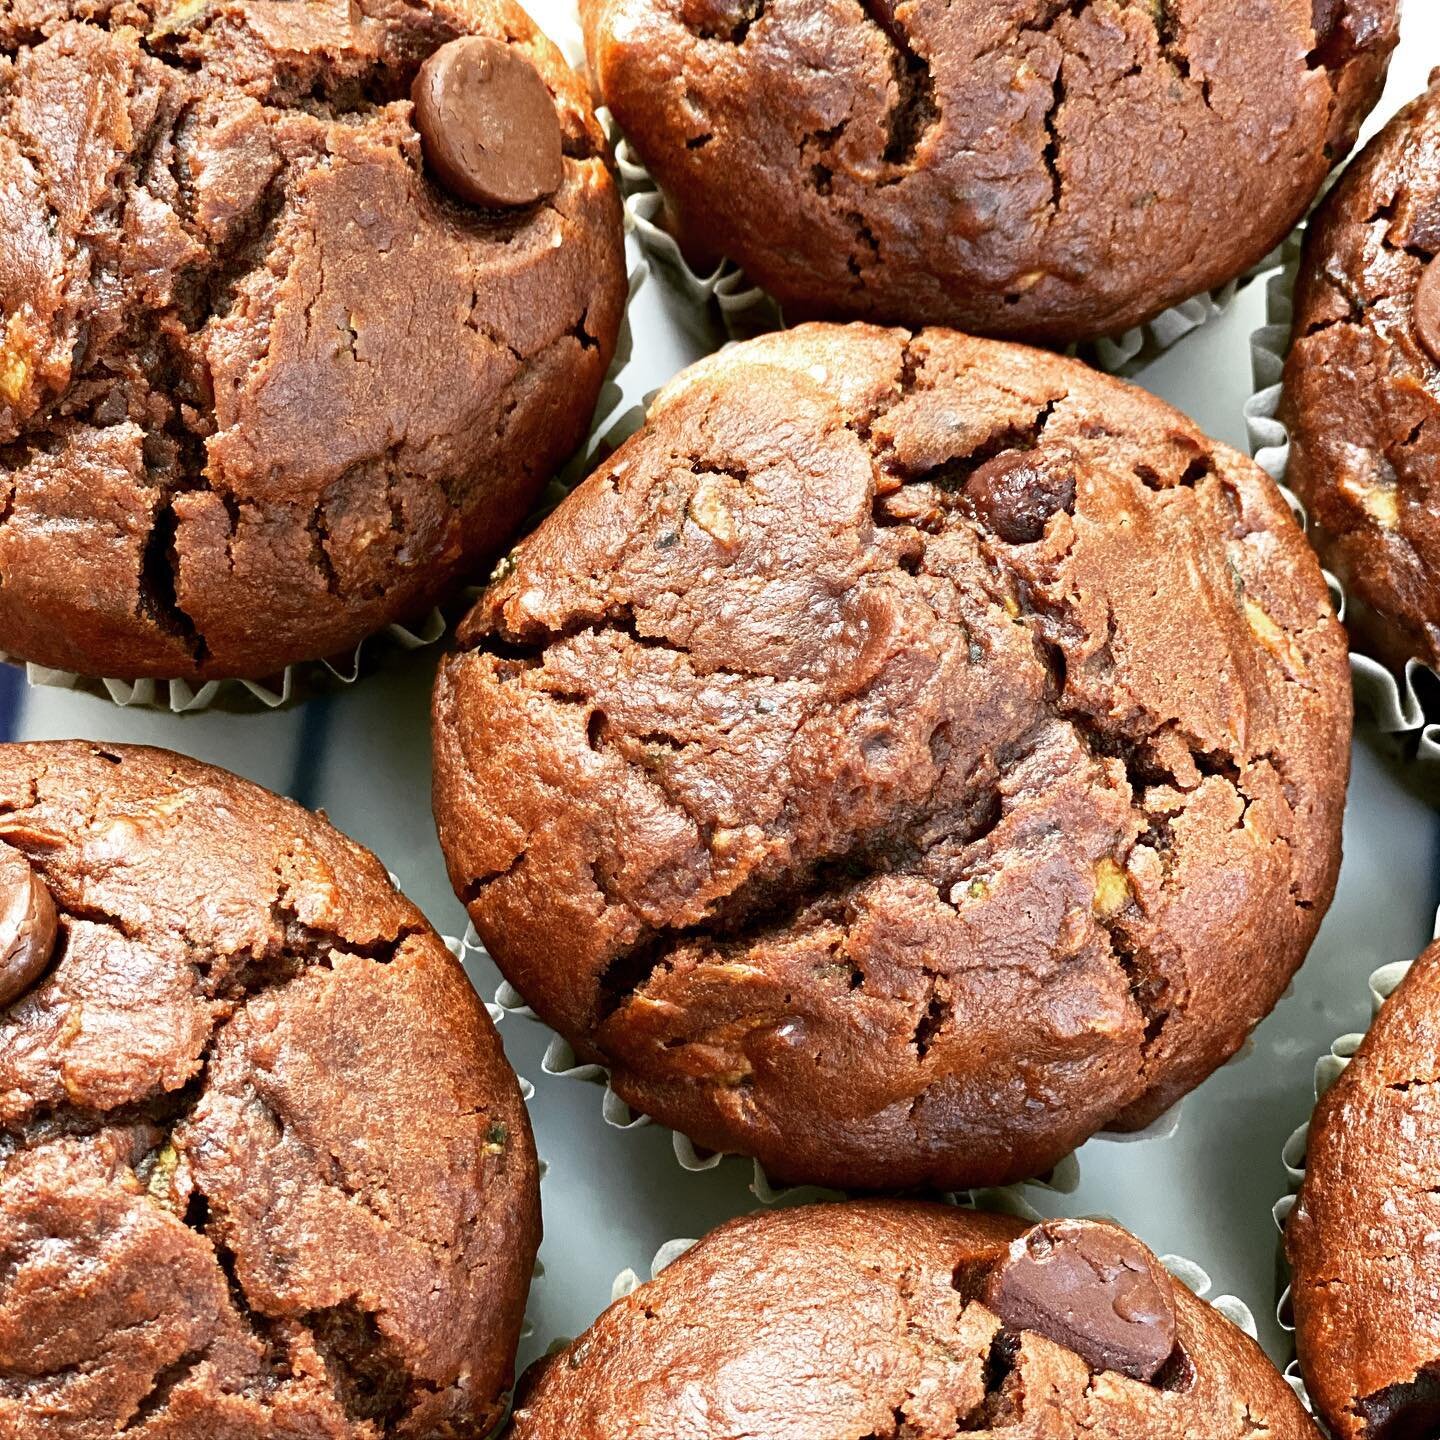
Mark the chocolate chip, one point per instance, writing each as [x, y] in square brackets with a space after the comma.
[1324, 16]
[1091, 1288]
[882, 12]
[27, 926]
[487, 124]
[1408, 1411]
[720, 19]
[1334, 43]
[1017, 492]
[1427, 309]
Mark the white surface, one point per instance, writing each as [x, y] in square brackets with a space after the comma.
[612, 1198]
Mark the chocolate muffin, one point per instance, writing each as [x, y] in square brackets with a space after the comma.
[1361, 1239]
[1049, 170]
[1360, 388]
[264, 1170]
[888, 1320]
[908, 755]
[283, 354]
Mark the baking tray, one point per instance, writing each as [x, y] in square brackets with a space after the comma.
[612, 1197]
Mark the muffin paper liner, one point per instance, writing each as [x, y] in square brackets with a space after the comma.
[307, 677]
[1008, 1202]
[182, 696]
[1383, 983]
[1391, 700]
[745, 309]
[561, 1062]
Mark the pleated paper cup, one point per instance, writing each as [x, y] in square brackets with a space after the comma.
[744, 309]
[1382, 984]
[561, 1062]
[1391, 699]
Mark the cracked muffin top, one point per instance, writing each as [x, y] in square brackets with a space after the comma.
[270, 377]
[1361, 1239]
[908, 755]
[1048, 170]
[264, 1169]
[900, 1321]
[1361, 383]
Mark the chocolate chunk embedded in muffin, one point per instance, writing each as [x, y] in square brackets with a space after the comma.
[1361, 1239]
[488, 124]
[874, 1320]
[1042, 169]
[908, 755]
[1361, 383]
[264, 1170]
[1093, 1289]
[289, 343]
[27, 926]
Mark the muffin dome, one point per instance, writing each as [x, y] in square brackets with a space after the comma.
[891, 1320]
[1041, 169]
[265, 383]
[1359, 399]
[906, 756]
[1361, 1238]
[264, 1169]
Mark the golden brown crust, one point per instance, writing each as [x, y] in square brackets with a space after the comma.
[854, 836]
[264, 1169]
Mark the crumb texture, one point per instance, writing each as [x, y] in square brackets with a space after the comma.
[264, 385]
[1361, 382]
[264, 1170]
[1361, 1239]
[857, 1322]
[907, 756]
[1041, 169]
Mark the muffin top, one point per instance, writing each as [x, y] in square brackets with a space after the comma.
[264, 1170]
[1361, 384]
[1043, 169]
[271, 373]
[893, 1319]
[1361, 1239]
[908, 755]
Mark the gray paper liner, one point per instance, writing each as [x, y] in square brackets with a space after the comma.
[1390, 699]
[560, 20]
[1382, 983]
[745, 309]
[185, 696]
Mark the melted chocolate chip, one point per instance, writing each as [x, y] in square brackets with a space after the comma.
[720, 19]
[487, 124]
[1335, 37]
[882, 12]
[1409, 1411]
[1324, 16]
[27, 926]
[1091, 1288]
[1017, 492]
[1427, 309]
